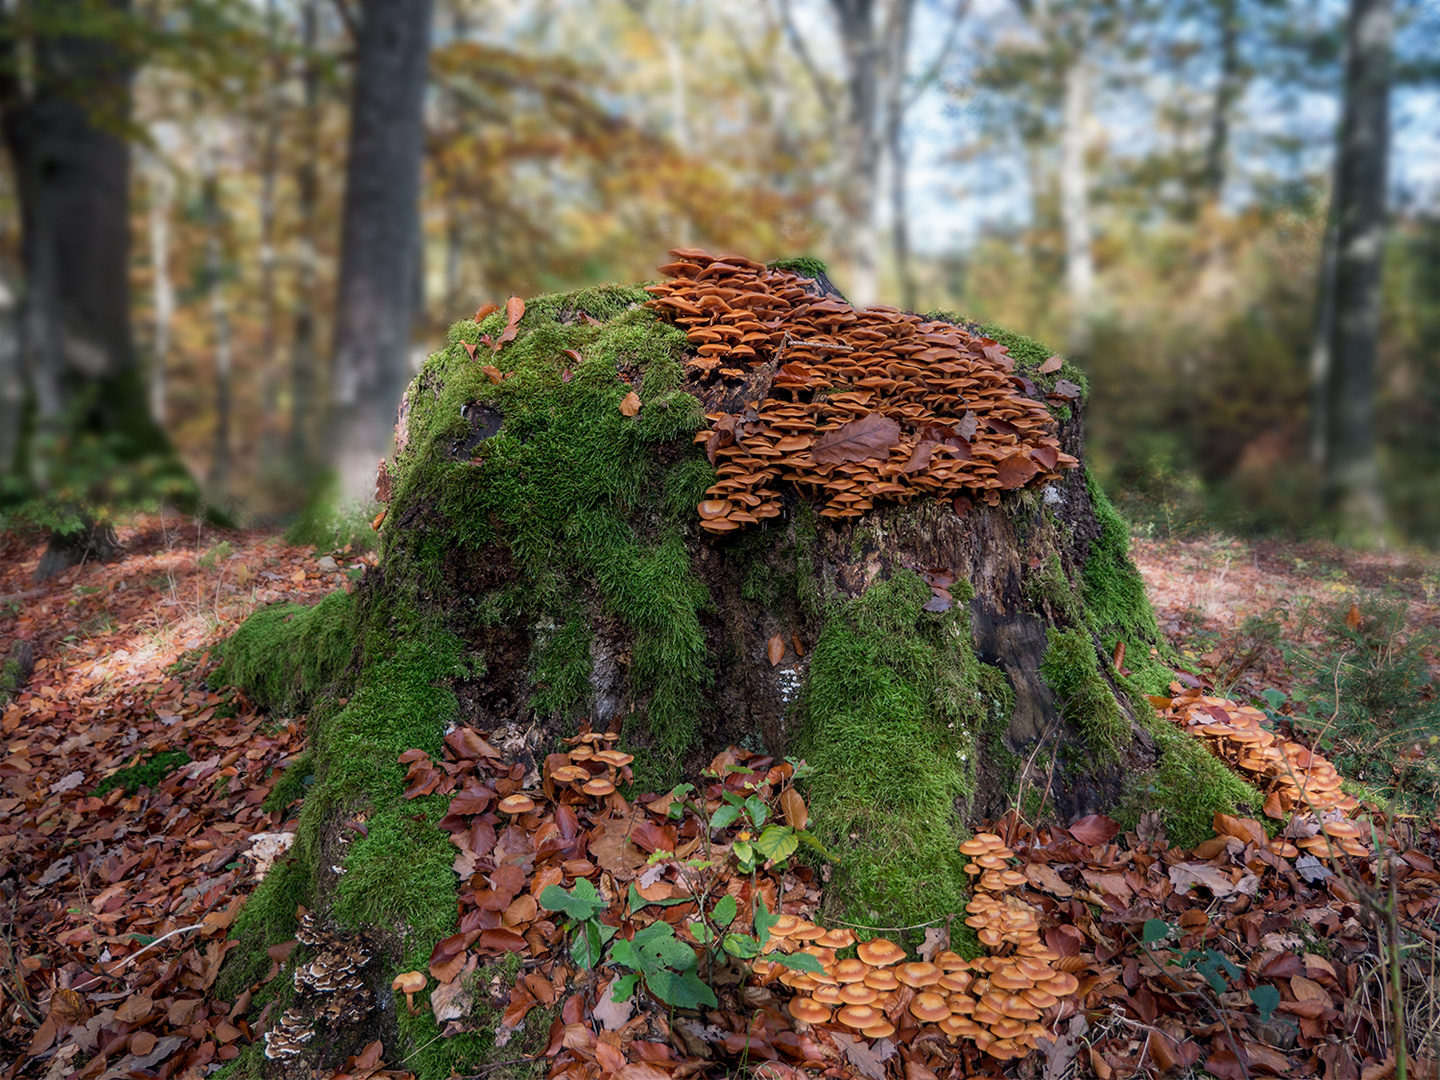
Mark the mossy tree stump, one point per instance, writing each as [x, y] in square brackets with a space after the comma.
[543, 564]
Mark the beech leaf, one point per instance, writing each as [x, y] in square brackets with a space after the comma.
[486, 310]
[1051, 365]
[775, 649]
[630, 404]
[865, 439]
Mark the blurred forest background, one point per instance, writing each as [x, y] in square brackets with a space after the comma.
[1144, 184]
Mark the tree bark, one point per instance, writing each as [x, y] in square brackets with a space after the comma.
[1351, 471]
[219, 310]
[380, 228]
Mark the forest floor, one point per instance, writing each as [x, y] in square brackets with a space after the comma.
[114, 904]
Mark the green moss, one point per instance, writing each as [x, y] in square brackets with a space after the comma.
[804, 265]
[892, 706]
[286, 654]
[568, 490]
[1188, 787]
[145, 773]
[12, 676]
[268, 918]
[291, 785]
[1072, 670]
[1051, 587]
[560, 668]
[328, 525]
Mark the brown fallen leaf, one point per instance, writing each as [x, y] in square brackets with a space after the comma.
[794, 808]
[775, 649]
[1051, 365]
[868, 438]
[485, 311]
[630, 403]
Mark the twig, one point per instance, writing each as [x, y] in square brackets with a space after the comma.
[133, 956]
[1216, 1008]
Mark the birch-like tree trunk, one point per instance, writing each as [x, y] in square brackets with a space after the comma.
[161, 186]
[269, 173]
[1351, 470]
[1075, 199]
[370, 364]
[12, 382]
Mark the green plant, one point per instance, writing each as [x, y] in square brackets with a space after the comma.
[146, 773]
[1371, 702]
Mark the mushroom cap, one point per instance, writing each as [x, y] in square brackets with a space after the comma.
[956, 982]
[882, 979]
[517, 804]
[931, 1008]
[807, 931]
[614, 757]
[880, 952]
[1062, 984]
[859, 1017]
[849, 971]
[1021, 1008]
[1345, 828]
[858, 993]
[409, 982]
[828, 995]
[809, 1010]
[959, 1027]
[881, 1029]
[785, 925]
[1008, 1028]
[837, 939]
[568, 774]
[919, 974]
[950, 961]
[598, 786]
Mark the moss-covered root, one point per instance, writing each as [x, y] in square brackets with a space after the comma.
[286, 654]
[1072, 669]
[893, 705]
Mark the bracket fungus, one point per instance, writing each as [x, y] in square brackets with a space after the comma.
[850, 405]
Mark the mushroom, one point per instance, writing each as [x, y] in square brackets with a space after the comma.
[809, 1010]
[880, 952]
[409, 983]
[516, 804]
[859, 1017]
[859, 993]
[598, 787]
[918, 974]
[929, 1008]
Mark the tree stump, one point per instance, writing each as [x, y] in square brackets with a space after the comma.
[567, 539]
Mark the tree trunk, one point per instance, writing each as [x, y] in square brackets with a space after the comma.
[72, 177]
[12, 382]
[304, 354]
[162, 194]
[380, 228]
[219, 309]
[1075, 200]
[1352, 479]
[558, 549]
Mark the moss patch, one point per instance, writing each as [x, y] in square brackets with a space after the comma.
[286, 654]
[570, 494]
[804, 265]
[292, 784]
[145, 773]
[893, 705]
[1188, 787]
[1072, 670]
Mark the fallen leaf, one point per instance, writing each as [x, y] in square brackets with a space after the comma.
[630, 404]
[775, 649]
[865, 439]
[1051, 365]
[485, 311]
[612, 1015]
[1095, 829]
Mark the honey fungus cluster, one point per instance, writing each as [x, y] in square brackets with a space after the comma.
[995, 1001]
[1292, 777]
[849, 405]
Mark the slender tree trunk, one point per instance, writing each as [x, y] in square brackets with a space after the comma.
[269, 169]
[162, 195]
[12, 383]
[304, 357]
[1075, 200]
[1352, 482]
[859, 40]
[1227, 89]
[898, 49]
[370, 365]
[219, 310]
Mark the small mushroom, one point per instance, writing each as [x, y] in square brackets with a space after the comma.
[929, 1008]
[809, 1010]
[880, 952]
[409, 983]
[598, 787]
[516, 804]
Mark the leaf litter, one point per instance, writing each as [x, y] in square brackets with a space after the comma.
[117, 907]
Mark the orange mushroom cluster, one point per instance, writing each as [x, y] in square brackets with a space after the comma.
[850, 405]
[995, 1001]
[1291, 776]
[592, 767]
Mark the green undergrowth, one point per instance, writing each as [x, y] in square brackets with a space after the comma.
[893, 706]
[573, 495]
[291, 784]
[145, 773]
[284, 655]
